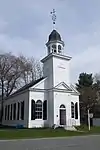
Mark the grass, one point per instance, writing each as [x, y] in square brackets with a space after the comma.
[43, 133]
[36, 133]
[93, 129]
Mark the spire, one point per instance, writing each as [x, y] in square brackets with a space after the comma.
[54, 44]
[53, 17]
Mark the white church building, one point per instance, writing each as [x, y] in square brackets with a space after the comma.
[51, 100]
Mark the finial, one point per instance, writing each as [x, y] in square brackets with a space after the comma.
[53, 17]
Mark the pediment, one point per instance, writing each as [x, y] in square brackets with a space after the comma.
[63, 86]
[39, 85]
[66, 88]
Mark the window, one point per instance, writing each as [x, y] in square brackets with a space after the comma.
[38, 110]
[11, 112]
[76, 110]
[45, 110]
[14, 111]
[5, 112]
[59, 48]
[18, 110]
[54, 48]
[32, 109]
[22, 110]
[72, 110]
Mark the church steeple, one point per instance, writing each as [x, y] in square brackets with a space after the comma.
[54, 44]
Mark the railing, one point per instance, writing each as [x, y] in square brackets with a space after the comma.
[71, 122]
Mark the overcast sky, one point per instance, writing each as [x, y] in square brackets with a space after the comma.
[26, 24]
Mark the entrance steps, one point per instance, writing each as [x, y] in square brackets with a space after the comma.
[70, 128]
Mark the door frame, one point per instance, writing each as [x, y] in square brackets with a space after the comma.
[62, 107]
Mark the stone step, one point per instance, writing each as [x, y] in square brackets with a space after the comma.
[70, 128]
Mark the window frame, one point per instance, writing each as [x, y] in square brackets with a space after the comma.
[59, 49]
[54, 48]
[38, 112]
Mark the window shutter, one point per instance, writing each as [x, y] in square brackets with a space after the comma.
[76, 110]
[32, 110]
[72, 110]
[22, 110]
[45, 110]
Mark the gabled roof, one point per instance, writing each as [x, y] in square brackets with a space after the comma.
[27, 86]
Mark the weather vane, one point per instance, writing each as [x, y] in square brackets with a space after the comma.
[53, 17]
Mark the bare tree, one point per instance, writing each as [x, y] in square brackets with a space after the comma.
[34, 70]
[16, 72]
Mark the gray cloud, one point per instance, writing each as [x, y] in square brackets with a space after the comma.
[26, 24]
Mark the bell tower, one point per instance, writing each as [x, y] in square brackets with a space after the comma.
[55, 44]
[55, 64]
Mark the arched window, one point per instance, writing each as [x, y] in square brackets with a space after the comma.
[32, 109]
[54, 48]
[76, 110]
[72, 110]
[38, 109]
[59, 48]
[62, 106]
[45, 110]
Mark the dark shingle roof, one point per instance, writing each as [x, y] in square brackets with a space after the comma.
[54, 36]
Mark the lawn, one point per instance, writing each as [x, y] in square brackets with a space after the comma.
[93, 130]
[36, 133]
[43, 133]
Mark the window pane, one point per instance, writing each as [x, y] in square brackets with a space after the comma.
[38, 110]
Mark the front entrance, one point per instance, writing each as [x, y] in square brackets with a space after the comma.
[62, 115]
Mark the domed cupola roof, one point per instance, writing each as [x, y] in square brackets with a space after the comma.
[54, 36]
